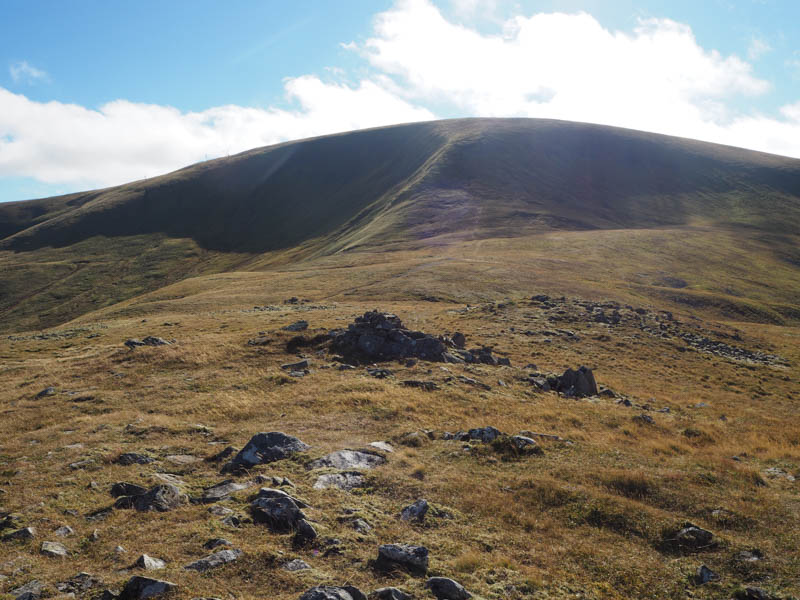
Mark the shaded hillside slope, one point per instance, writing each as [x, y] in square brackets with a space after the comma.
[394, 187]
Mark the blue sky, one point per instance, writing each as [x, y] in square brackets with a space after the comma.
[99, 93]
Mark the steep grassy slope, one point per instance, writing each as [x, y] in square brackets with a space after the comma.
[402, 187]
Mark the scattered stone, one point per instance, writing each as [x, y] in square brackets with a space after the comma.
[26, 533]
[148, 563]
[382, 446]
[297, 366]
[161, 498]
[389, 593]
[447, 589]
[379, 373]
[297, 326]
[705, 575]
[296, 565]
[123, 488]
[30, 591]
[182, 459]
[304, 533]
[78, 584]
[778, 473]
[281, 515]
[215, 560]
[428, 386]
[483, 434]
[327, 592]
[753, 555]
[216, 543]
[415, 511]
[474, 382]
[53, 550]
[261, 340]
[64, 531]
[48, 391]
[133, 458]
[223, 490]
[411, 558]
[344, 481]
[359, 525]
[691, 538]
[524, 445]
[644, 419]
[232, 521]
[119, 550]
[273, 493]
[81, 464]
[150, 340]
[266, 448]
[348, 459]
[220, 511]
[139, 588]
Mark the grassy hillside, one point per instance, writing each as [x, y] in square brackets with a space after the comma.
[399, 188]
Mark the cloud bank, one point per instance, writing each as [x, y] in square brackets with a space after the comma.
[421, 66]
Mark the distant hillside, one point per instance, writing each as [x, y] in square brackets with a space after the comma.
[391, 187]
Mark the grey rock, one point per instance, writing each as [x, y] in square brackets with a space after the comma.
[382, 446]
[223, 490]
[297, 326]
[281, 515]
[297, 366]
[161, 498]
[220, 511]
[344, 481]
[78, 584]
[227, 452]
[123, 488]
[296, 565]
[349, 459]
[216, 543]
[148, 563]
[133, 458]
[304, 533]
[484, 434]
[694, 538]
[81, 464]
[94, 536]
[152, 340]
[705, 575]
[139, 588]
[53, 550]
[182, 459]
[266, 448]
[447, 589]
[524, 444]
[577, 383]
[389, 593]
[64, 531]
[30, 591]
[48, 391]
[415, 511]
[327, 592]
[360, 525]
[232, 521]
[644, 419]
[412, 558]
[273, 493]
[215, 560]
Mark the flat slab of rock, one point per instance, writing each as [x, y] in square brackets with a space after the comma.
[343, 481]
[213, 561]
[447, 589]
[139, 588]
[183, 459]
[266, 447]
[53, 550]
[349, 459]
[382, 446]
[297, 326]
[223, 490]
[403, 556]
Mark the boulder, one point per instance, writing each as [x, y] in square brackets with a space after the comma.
[30, 591]
[139, 588]
[215, 543]
[413, 559]
[389, 593]
[578, 383]
[281, 515]
[64, 531]
[266, 448]
[26, 533]
[78, 584]
[349, 459]
[447, 589]
[705, 575]
[223, 490]
[297, 326]
[48, 391]
[415, 511]
[304, 533]
[484, 434]
[215, 560]
[123, 488]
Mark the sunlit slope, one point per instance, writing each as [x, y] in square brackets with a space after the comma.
[407, 187]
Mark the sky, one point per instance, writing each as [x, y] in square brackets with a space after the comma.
[97, 93]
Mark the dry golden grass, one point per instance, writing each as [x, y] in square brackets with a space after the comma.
[583, 520]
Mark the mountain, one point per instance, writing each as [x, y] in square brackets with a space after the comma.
[400, 188]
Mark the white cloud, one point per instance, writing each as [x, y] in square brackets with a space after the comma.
[757, 48]
[567, 66]
[23, 72]
[124, 141]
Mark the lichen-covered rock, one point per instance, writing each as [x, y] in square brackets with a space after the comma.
[160, 498]
[415, 511]
[140, 588]
[349, 459]
[344, 481]
[215, 560]
[447, 589]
